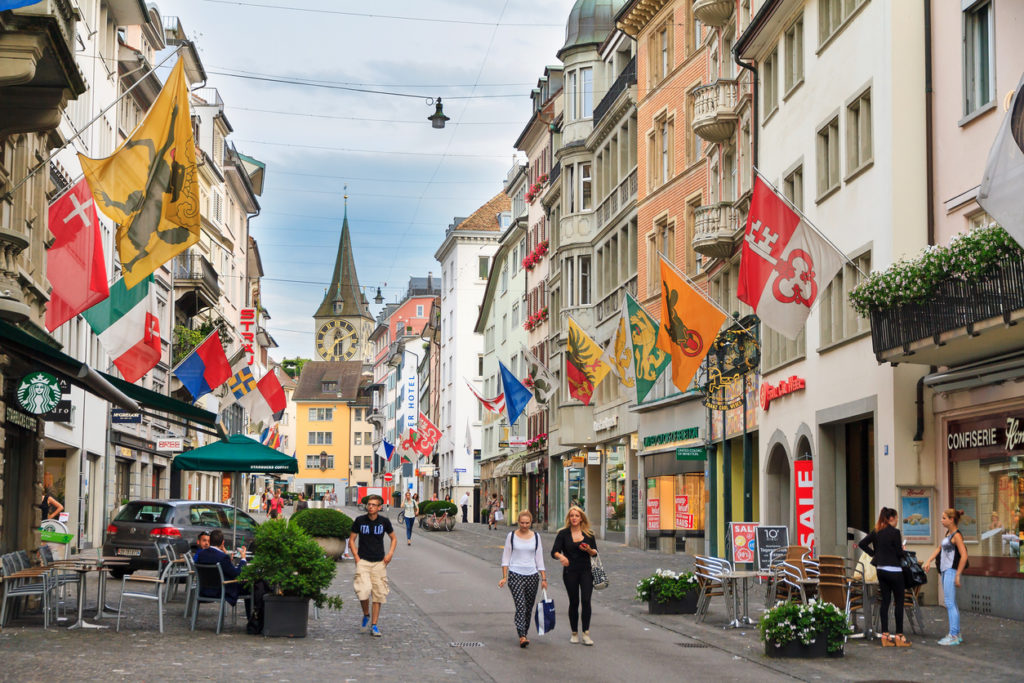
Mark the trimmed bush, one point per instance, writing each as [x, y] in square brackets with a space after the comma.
[323, 522]
[292, 563]
[440, 506]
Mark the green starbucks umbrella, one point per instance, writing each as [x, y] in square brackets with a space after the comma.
[237, 453]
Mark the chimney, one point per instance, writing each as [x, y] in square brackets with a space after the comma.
[429, 280]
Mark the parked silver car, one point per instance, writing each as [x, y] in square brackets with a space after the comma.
[141, 524]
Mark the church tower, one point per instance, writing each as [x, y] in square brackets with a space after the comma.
[342, 323]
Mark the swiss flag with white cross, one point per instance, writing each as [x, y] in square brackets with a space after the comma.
[785, 264]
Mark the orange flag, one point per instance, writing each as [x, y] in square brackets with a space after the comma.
[689, 323]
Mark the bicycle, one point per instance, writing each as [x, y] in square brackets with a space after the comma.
[432, 521]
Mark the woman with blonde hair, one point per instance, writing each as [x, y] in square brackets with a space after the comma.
[574, 545]
[952, 554]
[522, 567]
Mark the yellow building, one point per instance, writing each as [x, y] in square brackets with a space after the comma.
[326, 400]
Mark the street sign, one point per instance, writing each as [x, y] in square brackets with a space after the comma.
[388, 476]
[460, 469]
[697, 453]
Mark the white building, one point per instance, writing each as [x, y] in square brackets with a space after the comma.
[841, 133]
[465, 258]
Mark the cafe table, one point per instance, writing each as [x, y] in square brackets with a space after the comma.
[733, 577]
[82, 567]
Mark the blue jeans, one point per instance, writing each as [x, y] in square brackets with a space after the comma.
[949, 593]
[408, 527]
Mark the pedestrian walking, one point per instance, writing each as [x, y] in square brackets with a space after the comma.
[885, 546]
[409, 511]
[574, 545]
[464, 504]
[522, 566]
[952, 554]
[367, 544]
[492, 510]
[276, 505]
[301, 504]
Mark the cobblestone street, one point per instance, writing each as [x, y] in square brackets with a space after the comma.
[443, 591]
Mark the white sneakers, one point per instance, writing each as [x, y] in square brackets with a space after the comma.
[574, 638]
[586, 638]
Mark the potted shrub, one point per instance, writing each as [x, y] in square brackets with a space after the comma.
[329, 528]
[817, 629]
[668, 592]
[296, 571]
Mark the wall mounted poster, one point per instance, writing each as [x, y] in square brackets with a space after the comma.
[965, 498]
[917, 513]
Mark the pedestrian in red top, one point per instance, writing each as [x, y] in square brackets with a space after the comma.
[276, 505]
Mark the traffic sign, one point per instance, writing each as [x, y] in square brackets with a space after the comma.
[460, 469]
[388, 476]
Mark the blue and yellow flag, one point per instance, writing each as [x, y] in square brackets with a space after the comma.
[149, 184]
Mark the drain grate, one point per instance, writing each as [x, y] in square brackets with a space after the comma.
[457, 644]
[692, 644]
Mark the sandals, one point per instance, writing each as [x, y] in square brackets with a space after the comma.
[887, 640]
[523, 642]
[900, 640]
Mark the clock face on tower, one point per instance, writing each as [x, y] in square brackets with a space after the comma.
[337, 340]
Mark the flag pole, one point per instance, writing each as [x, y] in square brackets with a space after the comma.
[807, 220]
[711, 301]
[42, 164]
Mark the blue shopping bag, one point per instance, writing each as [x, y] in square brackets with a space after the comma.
[544, 615]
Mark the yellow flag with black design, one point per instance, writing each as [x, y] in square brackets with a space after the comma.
[584, 367]
[689, 323]
[149, 185]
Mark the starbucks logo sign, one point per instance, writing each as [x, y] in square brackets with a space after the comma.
[39, 393]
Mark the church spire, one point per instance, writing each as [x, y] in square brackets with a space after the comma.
[344, 297]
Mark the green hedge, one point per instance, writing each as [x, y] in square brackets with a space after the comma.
[324, 522]
[438, 507]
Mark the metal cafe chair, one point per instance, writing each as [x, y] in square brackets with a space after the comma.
[157, 593]
[20, 581]
[212, 576]
[708, 571]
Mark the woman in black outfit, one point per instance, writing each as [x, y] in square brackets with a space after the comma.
[885, 546]
[574, 545]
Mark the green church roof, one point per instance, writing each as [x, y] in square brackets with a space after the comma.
[590, 22]
[344, 283]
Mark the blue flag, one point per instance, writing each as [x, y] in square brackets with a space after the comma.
[15, 4]
[389, 449]
[516, 394]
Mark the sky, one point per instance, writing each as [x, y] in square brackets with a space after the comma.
[406, 181]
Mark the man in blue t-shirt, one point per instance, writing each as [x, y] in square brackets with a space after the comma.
[367, 544]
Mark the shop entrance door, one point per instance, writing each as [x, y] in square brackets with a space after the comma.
[860, 474]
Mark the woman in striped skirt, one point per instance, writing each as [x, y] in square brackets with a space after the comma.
[522, 568]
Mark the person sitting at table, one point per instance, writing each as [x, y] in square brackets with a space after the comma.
[216, 553]
[202, 543]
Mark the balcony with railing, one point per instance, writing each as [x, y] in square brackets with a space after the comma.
[583, 315]
[624, 80]
[196, 284]
[714, 110]
[713, 12]
[717, 229]
[962, 321]
[618, 198]
[612, 303]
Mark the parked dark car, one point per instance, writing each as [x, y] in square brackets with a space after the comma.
[141, 524]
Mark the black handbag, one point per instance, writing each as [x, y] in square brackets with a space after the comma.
[913, 572]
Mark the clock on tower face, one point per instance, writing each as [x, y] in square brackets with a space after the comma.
[337, 340]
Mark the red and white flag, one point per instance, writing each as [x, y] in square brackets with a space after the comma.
[785, 263]
[74, 262]
[422, 438]
[493, 405]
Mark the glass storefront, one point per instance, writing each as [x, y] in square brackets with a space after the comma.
[615, 487]
[675, 502]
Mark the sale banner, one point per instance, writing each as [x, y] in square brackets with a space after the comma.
[684, 520]
[803, 472]
[744, 538]
[653, 514]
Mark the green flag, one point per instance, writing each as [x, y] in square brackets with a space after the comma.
[649, 360]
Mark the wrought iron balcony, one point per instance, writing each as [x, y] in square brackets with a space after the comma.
[713, 12]
[717, 229]
[624, 80]
[714, 110]
[196, 284]
[962, 322]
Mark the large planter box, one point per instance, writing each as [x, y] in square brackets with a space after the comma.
[333, 547]
[819, 648]
[685, 605]
[285, 616]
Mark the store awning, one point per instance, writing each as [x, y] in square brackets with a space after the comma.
[237, 453]
[512, 466]
[116, 391]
